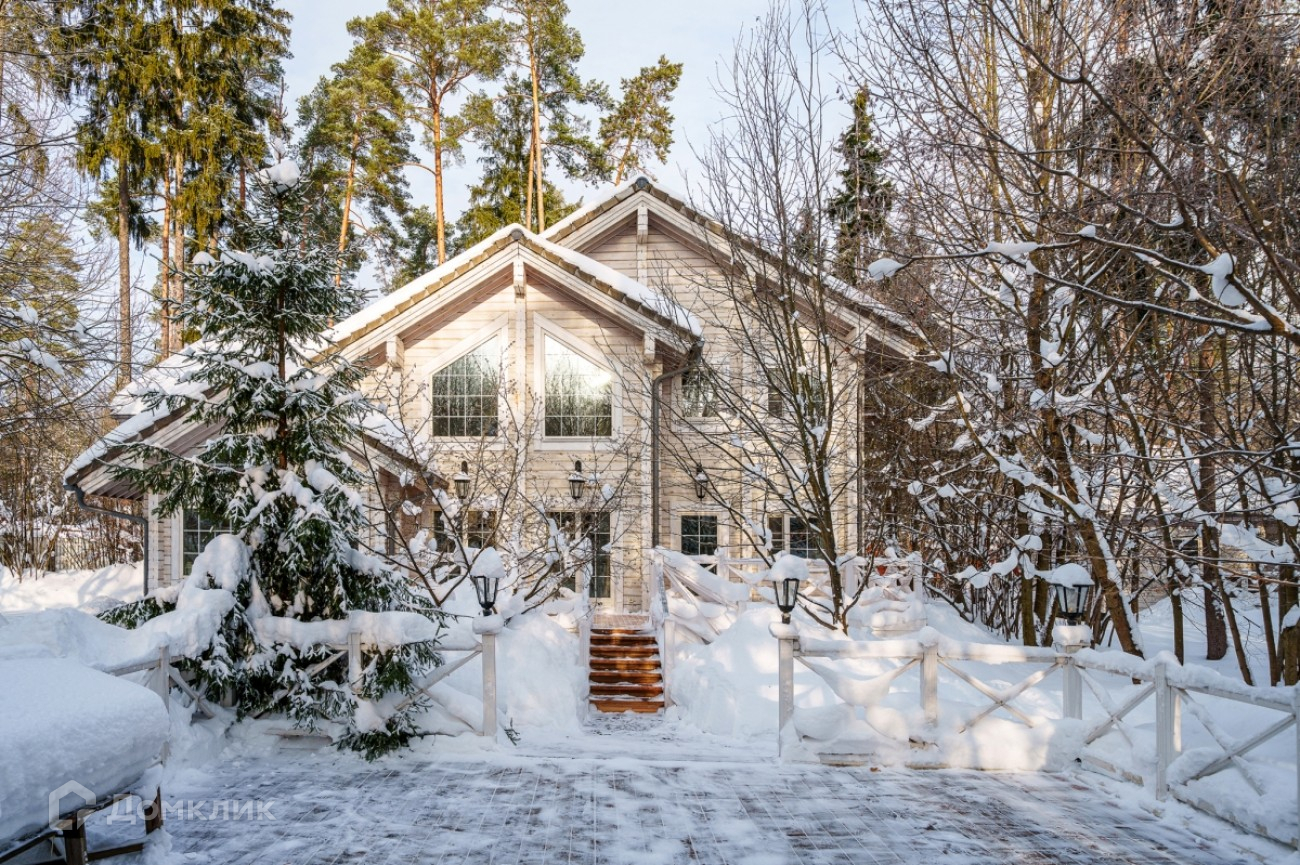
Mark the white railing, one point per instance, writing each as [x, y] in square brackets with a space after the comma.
[1156, 755]
[163, 673]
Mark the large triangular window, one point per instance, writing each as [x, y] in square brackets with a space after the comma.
[465, 393]
[579, 394]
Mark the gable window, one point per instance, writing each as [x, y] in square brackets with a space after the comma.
[699, 393]
[464, 394]
[594, 528]
[579, 394]
[196, 531]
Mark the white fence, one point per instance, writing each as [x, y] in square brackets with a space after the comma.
[163, 674]
[1211, 742]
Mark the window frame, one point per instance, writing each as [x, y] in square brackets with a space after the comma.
[599, 557]
[180, 567]
[442, 364]
[543, 328]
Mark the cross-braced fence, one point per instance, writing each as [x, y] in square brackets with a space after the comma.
[1186, 733]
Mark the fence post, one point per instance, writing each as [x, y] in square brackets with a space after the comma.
[354, 660]
[787, 639]
[1295, 707]
[1072, 686]
[1164, 729]
[930, 684]
[162, 681]
[490, 684]
[666, 658]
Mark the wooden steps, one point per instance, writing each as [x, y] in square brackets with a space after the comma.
[625, 672]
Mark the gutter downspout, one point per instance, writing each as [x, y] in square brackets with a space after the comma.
[139, 521]
[692, 356]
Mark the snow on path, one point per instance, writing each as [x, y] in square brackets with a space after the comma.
[625, 793]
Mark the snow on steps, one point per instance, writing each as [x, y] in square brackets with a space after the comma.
[625, 673]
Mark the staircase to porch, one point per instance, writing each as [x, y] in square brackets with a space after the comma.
[625, 672]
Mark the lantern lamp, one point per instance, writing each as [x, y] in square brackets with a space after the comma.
[701, 482]
[577, 481]
[461, 480]
[787, 595]
[485, 587]
[1072, 585]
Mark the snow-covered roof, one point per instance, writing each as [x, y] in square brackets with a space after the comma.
[170, 375]
[680, 202]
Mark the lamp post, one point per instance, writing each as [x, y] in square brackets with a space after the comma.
[577, 481]
[1072, 585]
[487, 627]
[701, 482]
[461, 480]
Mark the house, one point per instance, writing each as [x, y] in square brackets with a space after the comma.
[534, 358]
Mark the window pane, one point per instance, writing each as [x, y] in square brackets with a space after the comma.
[196, 531]
[699, 394]
[801, 540]
[464, 394]
[699, 535]
[776, 526]
[579, 394]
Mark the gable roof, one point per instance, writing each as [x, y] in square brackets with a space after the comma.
[666, 201]
[640, 305]
[638, 298]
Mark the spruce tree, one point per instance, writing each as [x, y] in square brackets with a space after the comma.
[861, 207]
[641, 126]
[276, 469]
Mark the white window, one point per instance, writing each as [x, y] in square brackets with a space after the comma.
[699, 393]
[196, 531]
[465, 392]
[791, 534]
[579, 395]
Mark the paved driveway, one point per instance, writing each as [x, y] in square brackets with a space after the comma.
[626, 793]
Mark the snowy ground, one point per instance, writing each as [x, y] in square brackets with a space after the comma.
[629, 790]
[91, 591]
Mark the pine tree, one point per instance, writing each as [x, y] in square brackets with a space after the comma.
[105, 48]
[501, 195]
[861, 207]
[548, 50]
[355, 144]
[277, 470]
[641, 126]
[440, 48]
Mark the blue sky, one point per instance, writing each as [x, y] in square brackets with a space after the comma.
[620, 37]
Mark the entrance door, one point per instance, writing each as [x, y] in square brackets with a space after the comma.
[595, 528]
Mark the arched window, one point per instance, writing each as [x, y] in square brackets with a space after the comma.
[465, 393]
[579, 394]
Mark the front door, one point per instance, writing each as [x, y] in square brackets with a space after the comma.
[595, 529]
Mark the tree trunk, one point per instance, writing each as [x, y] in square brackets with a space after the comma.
[1216, 630]
[347, 210]
[441, 218]
[165, 341]
[178, 246]
[537, 141]
[123, 277]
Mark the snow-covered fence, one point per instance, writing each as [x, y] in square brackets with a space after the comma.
[162, 674]
[1234, 762]
[350, 638]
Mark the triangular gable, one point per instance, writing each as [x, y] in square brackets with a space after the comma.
[591, 225]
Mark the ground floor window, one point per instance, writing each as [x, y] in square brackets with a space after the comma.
[700, 534]
[478, 528]
[792, 535]
[196, 531]
[596, 529]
